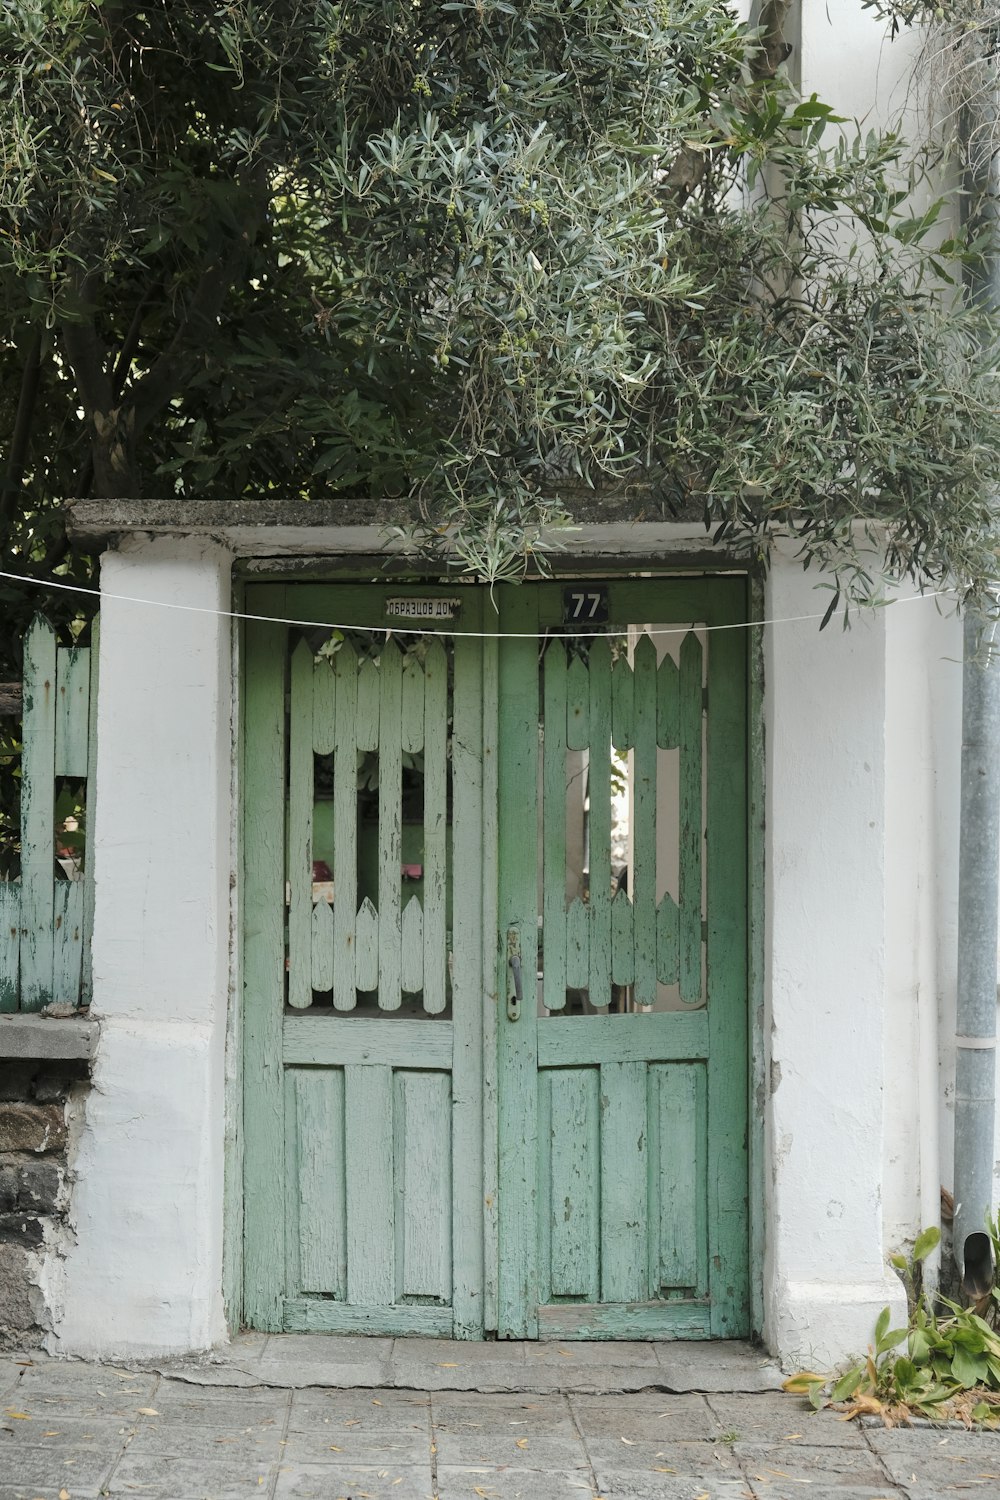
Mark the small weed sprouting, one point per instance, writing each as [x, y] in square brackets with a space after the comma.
[944, 1365]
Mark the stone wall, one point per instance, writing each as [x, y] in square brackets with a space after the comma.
[34, 1186]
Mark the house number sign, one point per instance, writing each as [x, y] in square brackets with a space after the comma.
[585, 606]
[423, 609]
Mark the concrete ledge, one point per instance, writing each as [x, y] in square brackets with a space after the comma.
[46, 1039]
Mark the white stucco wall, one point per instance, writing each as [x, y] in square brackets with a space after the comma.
[826, 976]
[144, 1273]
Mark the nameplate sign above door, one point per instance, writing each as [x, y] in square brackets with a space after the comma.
[423, 609]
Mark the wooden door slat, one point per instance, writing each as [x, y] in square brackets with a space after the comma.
[370, 1196]
[667, 928]
[622, 704]
[367, 705]
[691, 828]
[390, 813]
[412, 705]
[322, 947]
[624, 1190]
[644, 769]
[345, 829]
[38, 815]
[10, 942]
[554, 827]
[366, 948]
[324, 698]
[577, 946]
[411, 976]
[666, 704]
[301, 797]
[435, 895]
[622, 940]
[72, 711]
[319, 1181]
[577, 704]
[574, 1148]
[599, 790]
[67, 941]
[422, 1164]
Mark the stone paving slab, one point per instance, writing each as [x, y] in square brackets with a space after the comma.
[350, 1482]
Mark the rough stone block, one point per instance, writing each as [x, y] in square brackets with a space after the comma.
[16, 1314]
[55, 1081]
[8, 1189]
[32, 1127]
[16, 1078]
[38, 1188]
[26, 1229]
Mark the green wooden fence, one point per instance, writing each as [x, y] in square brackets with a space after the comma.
[45, 918]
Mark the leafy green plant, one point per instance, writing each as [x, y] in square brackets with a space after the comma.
[945, 1363]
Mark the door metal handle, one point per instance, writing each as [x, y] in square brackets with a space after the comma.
[515, 989]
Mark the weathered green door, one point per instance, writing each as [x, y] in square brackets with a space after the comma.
[494, 915]
[623, 1052]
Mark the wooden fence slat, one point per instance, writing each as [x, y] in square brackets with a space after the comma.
[667, 966]
[38, 815]
[390, 815]
[577, 946]
[322, 947]
[67, 941]
[644, 822]
[622, 940]
[622, 704]
[411, 969]
[345, 829]
[366, 708]
[366, 948]
[554, 828]
[87, 977]
[599, 824]
[324, 707]
[691, 823]
[412, 712]
[435, 896]
[301, 798]
[666, 704]
[577, 704]
[72, 710]
[10, 942]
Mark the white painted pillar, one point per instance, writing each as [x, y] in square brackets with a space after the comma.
[826, 1278]
[145, 1272]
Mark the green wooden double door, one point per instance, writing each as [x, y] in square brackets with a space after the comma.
[494, 906]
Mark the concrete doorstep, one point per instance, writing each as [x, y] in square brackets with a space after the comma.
[306, 1417]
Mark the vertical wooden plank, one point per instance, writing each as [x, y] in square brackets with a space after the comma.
[322, 1223]
[412, 704]
[366, 948]
[434, 712]
[622, 704]
[301, 798]
[667, 926]
[368, 1109]
[263, 783]
[10, 942]
[624, 1185]
[366, 704]
[322, 947]
[575, 1193]
[678, 1186]
[546, 1204]
[324, 701]
[690, 819]
[67, 941]
[577, 946]
[599, 786]
[489, 932]
[72, 710]
[622, 940]
[38, 815]
[86, 982]
[667, 698]
[390, 815]
[554, 827]
[345, 829]
[468, 1002]
[411, 974]
[292, 1187]
[518, 907]
[727, 963]
[422, 1157]
[644, 822]
[577, 704]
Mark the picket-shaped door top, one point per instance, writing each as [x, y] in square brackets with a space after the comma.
[494, 905]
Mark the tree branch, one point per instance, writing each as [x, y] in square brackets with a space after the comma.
[20, 438]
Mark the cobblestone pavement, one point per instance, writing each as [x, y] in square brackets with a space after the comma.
[280, 1418]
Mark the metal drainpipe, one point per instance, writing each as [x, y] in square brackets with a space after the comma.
[979, 836]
